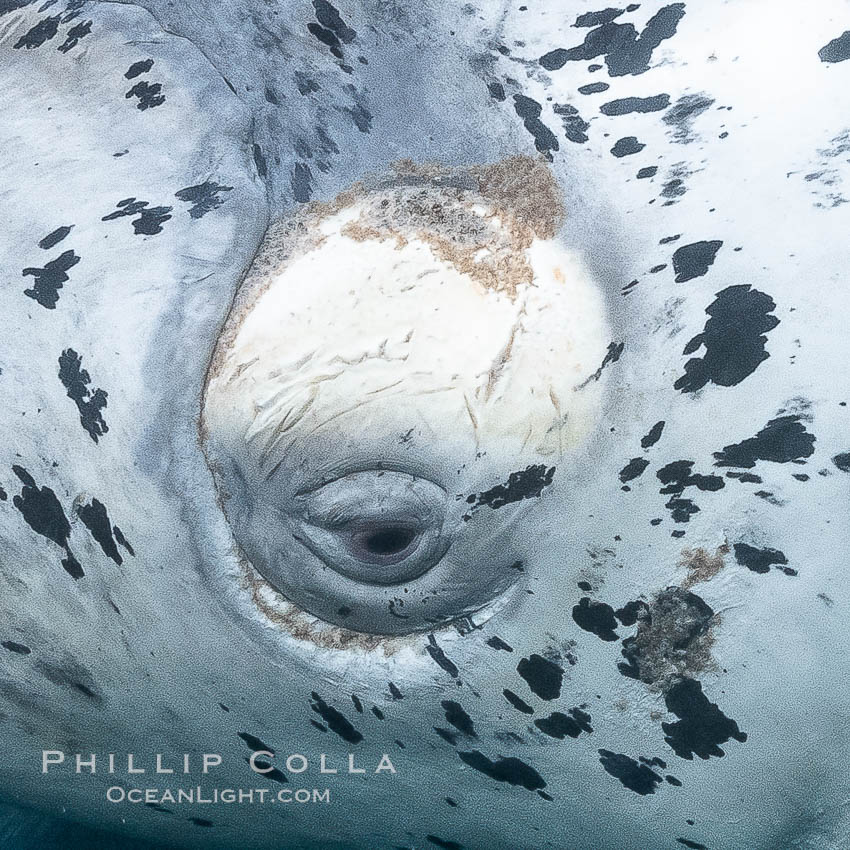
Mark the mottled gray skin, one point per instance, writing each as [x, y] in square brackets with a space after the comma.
[160, 653]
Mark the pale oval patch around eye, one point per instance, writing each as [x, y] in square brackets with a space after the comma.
[376, 527]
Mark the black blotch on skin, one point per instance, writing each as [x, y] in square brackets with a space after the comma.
[517, 702]
[633, 775]
[377, 712]
[575, 127]
[54, 237]
[682, 113]
[693, 260]
[673, 781]
[122, 540]
[841, 461]
[201, 821]
[300, 181]
[255, 743]
[447, 845]
[451, 802]
[649, 171]
[595, 19]
[18, 648]
[74, 35]
[497, 643]
[627, 146]
[733, 337]
[138, 68]
[529, 110]
[320, 726]
[149, 221]
[269, 772]
[543, 677]
[594, 88]
[43, 31]
[837, 50]
[782, 440]
[148, 94]
[75, 379]
[525, 484]
[625, 51]
[653, 436]
[758, 560]
[328, 16]
[357, 704]
[693, 845]
[596, 617]
[626, 105]
[70, 674]
[360, 114]
[514, 771]
[43, 514]
[443, 661]
[457, 717]
[702, 726]
[327, 37]
[395, 692]
[259, 160]
[336, 721]
[677, 475]
[497, 90]
[446, 735]
[49, 280]
[205, 197]
[612, 355]
[96, 520]
[559, 725]
[628, 615]
[633, 469]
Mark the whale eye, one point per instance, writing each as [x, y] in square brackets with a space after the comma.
[375, 527]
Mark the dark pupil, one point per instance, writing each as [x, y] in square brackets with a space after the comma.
[389, 541]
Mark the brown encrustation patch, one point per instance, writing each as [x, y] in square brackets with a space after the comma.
[674, 639]
[702, 565]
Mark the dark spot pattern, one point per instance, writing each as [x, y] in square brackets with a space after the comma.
[96, 520]
[575, 127]
[337, 722]
[496, 642]
[514, 771]
[149, 221]
[841, 461]
[529, 110]
[627, 105]
[517, 702]
[694, 260]
[43, 513]
[440, 842]
[55, 237]
[559, 725]
[733, 337]
[693, 845]
[625, 51]
[269, 771]
[457, 717]
[649, 171]
[593, 88]
[837, 50]
[682, 114]
[17, 648]
[702, 726]
[138, 68]
[76, 381]
[204, 197]
[525, 484]
[612, 355]
[633, 775]
[782, 440]
[627, 146]
[758, 560]
[440, 658]
[596, 617]
[148, 94]
[633, 469]
[653, 435]
[50, 279]
[543, 677]
[37, 35]
[254, 743]
[75, 35]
